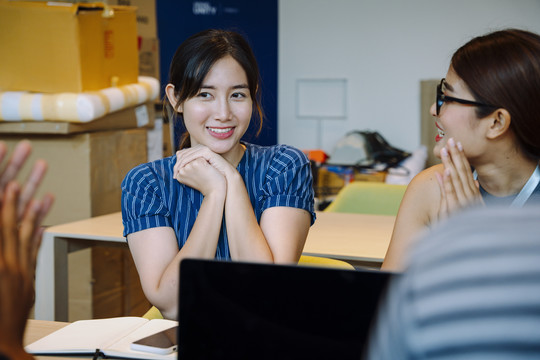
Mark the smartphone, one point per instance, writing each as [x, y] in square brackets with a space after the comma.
[163, 342]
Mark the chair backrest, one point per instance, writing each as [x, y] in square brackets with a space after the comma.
[153, 313]
[307, 260]
[366, 197]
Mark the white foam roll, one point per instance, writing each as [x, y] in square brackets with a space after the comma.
[9, 105]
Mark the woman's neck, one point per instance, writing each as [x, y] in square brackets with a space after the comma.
[235, 155]
[507, 175]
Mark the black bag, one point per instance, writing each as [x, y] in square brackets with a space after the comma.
[366, 149]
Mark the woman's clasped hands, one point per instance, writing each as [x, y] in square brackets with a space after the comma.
[202, 169]
[458, 187]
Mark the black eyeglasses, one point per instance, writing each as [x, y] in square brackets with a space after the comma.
[441, 99]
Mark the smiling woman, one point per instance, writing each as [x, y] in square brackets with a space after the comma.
[488, 119]
[219, 115]
[218, 197]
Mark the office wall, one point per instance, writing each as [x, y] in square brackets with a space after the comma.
[383, 48]
[256, 20]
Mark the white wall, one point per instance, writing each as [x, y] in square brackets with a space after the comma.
[383, 48]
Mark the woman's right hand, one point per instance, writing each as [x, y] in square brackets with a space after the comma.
[12, 168]
[200, 175]
[457, 184]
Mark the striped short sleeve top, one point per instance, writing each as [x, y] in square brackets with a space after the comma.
[277, 175]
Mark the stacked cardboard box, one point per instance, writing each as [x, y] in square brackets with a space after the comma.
[65, 47]
[122, 291]
[54, 47]
[85, 167]
[147, 35]
[61, 47]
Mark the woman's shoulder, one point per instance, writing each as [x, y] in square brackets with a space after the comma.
[280, 153]
[427, 177]
[423, 194]
[418, 210]
[157, 168]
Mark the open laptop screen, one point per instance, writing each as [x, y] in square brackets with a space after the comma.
[231, 310]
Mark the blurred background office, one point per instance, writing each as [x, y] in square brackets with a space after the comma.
[328, 67]
[384, 49]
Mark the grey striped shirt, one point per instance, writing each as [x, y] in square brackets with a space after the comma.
[472, 291]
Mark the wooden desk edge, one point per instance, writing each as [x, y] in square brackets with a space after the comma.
[36, 329]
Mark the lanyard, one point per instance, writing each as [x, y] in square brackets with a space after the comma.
[526, 191]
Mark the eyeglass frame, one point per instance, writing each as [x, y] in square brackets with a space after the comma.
[441, 98]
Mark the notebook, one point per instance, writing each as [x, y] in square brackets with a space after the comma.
[236, 310]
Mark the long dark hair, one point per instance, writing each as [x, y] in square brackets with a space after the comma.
[193, 60]
[503, 68]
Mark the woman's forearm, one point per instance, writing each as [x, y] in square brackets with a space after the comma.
[203, 238]
[246, 239]
[161, 286]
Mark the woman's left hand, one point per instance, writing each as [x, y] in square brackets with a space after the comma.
[457, 184]
[185, 156]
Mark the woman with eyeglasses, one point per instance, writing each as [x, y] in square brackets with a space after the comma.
[488, 119]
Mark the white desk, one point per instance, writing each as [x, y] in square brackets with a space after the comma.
[51, 271]
[358, 238]
[353, 237]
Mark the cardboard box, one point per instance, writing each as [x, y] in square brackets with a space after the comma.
[64, 47]
[149, 57]
[147, 34]
[116, 290]
[146, 16]
[85, 170]
[133, 117]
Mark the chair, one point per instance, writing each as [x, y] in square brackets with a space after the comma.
[153, 313]
[307, 260]
[365, 197]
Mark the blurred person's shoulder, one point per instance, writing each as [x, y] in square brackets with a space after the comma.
[489, 233]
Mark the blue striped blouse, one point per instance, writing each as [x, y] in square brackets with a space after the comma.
[277, 175]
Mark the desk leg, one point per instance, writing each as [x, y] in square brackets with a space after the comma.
[51, 280]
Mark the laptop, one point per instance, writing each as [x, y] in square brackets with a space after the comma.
[237, 310]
